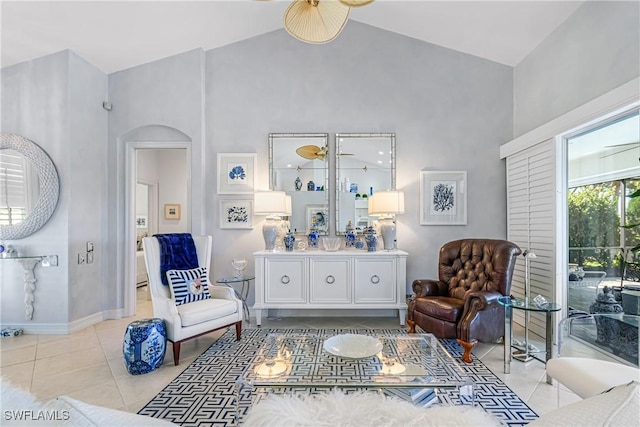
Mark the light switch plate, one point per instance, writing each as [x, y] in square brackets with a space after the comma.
[50, 261]
[89, 257]
[89, 246]
[82, 258]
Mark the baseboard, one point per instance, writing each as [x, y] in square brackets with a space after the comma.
[289, 312]
[66, 328]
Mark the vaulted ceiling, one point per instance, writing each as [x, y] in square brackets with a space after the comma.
[115, 35]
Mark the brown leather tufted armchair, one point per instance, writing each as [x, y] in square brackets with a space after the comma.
[463, 303]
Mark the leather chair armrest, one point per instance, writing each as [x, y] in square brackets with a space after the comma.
[484, 299]
[427, 287]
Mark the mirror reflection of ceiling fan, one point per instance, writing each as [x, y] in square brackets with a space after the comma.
[312, 152]
[630, 146]
[318, 21]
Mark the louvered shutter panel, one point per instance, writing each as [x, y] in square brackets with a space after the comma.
[531, 213]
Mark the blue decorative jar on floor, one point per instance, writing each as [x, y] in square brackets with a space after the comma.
[145, 343]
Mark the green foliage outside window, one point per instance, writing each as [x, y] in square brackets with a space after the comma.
[595, 225]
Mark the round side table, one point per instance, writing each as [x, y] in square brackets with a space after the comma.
[526, 355]
[144, 346]
[243, 294]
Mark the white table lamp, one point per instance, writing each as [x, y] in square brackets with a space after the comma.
[273, 204]
[386, 204]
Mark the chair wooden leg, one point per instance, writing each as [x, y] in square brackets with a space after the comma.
[238, 330]
[468, 346]
[412, 326]
[176, 353]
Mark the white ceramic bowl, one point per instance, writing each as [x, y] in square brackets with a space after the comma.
[352, 346]
[331, 244]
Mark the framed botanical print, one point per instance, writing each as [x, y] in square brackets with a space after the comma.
[236, 214]
[236, 173]
[443, 198]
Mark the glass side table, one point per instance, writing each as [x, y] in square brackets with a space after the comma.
[511, 304]
[243, 294]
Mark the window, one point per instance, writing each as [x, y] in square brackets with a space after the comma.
[603, 171]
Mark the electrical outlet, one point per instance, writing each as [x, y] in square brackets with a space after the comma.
[82, 258]
[89, 247]
[50, 261]
[90, 257]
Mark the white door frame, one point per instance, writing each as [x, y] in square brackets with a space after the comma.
[131, 174]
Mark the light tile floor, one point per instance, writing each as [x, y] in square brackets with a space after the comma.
[88, 365]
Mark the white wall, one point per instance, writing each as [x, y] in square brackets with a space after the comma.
[596, 50]
[56, 102]
[159, 102]
[449, 110]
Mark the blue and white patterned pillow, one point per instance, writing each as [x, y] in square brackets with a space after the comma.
[188, 285]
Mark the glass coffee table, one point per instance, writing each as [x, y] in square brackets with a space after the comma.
[402, 364]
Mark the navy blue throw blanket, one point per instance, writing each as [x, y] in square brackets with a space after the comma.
[177, 252]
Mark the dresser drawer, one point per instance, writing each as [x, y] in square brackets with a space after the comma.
[330, 281]
[375, 281]
[285, 281]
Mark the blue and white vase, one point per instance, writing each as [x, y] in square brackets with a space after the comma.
[371, 239]
[311, 186]
[144, 346]
[359, 244]
[298, 184]
[289, 240]
[350, 236]
[312, 238]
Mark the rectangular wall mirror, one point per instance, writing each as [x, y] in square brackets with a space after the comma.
[365, 163]
[298, 165]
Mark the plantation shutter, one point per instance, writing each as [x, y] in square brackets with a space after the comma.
[14, 197]
[531, 224]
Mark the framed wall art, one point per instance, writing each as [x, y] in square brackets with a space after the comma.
[318, 214]
[172, 211]
[443, 198]
[236, 214]
[236, 173]
[141, 221]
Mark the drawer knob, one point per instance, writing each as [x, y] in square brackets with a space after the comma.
[330, 279]
[285, 279]
[375, 279]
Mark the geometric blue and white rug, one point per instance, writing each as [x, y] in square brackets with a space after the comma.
[204, 394]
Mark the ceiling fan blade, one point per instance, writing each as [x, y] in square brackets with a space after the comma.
[618, 152]
[312, 152]
[622, 145]
[356, 3]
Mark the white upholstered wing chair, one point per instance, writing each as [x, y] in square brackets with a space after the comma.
[197, 318]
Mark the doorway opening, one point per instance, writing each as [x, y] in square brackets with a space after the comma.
[158, 175]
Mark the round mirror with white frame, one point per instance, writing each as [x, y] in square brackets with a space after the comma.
[30, 187]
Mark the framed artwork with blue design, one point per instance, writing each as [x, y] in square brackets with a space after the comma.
[236, 173]
[443, 198]
[236, 214]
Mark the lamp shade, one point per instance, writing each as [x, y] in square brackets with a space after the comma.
[289, 210]
[386, 203]
[315, 21]
[270, 203]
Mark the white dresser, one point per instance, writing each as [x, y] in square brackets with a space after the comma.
[316, 279]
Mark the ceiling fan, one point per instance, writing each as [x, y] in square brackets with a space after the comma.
[318, 21]
[630, 146]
